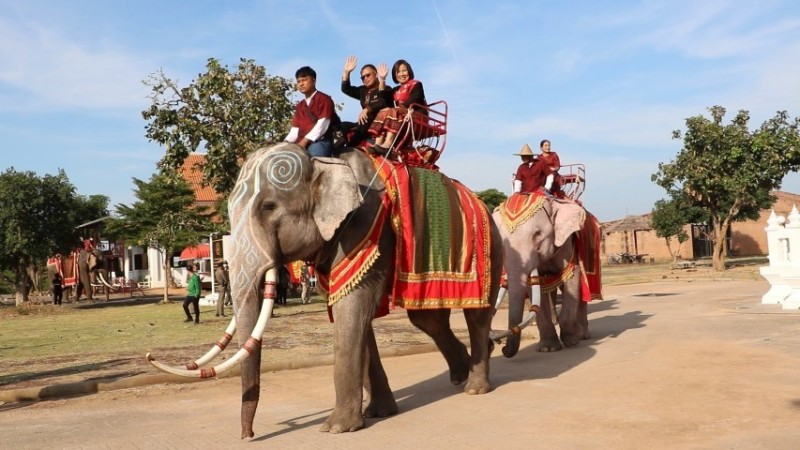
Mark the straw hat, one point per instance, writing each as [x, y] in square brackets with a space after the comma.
[526, 151]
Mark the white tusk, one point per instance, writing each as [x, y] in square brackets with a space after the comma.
[252, 343]
[500, 294]
[103, 280]
[529, 319]
[221, 344]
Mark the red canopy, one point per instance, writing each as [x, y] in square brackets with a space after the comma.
[195, 252]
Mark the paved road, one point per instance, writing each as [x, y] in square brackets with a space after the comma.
[671, 365]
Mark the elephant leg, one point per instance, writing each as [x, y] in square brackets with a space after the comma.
[436, 324]
[571, 329]
[548, 336]
[583, 319]
[381, 398]
[479, 321]
[352, 316]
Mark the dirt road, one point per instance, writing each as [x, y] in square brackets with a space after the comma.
[671, 365]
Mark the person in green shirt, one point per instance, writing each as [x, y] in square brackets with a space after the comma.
[192, 295]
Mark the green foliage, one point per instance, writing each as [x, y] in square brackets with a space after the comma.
[669, 217]
[729, 171]
[164, 217]
[492, 198]
[38, 216]
[228, 113]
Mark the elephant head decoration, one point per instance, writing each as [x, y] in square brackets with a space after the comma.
[287, 206]
[542, 242]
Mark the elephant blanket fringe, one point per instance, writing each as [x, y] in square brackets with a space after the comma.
[518, 208]
[348, 272]
[443, 240]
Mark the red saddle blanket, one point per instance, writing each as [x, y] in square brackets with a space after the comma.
[443, 243]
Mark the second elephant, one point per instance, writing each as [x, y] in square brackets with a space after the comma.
[540, 234]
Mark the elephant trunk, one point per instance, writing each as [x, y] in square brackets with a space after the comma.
[247, 297]
[518, 290]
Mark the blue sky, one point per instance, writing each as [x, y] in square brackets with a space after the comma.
[606, 82]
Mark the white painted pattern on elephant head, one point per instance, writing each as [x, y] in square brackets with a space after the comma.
[283, 170]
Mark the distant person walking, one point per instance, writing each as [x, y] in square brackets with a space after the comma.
[192, 295]
[223, 294]
[58, 289]
[305, 284]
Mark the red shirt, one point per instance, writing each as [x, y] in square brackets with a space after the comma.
[531, 175]
[550, 162]
[306, 116]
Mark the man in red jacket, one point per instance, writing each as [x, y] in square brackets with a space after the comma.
[313, 116]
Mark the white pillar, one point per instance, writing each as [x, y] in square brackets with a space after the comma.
[791, 246]
[777, 246]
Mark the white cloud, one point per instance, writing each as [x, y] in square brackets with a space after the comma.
[59, 73]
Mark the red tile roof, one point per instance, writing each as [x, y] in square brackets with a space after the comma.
[192, 172]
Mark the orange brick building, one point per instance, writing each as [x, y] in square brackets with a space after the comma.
[633, 235]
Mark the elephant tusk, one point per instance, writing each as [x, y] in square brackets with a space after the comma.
[252, 343]
[216, 349]
[498, 336]
[103, 280]
[500, 294]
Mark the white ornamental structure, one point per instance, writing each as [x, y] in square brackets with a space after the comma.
[783, 272]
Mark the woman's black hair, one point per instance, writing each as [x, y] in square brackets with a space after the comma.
[396, 67]
[543, 141]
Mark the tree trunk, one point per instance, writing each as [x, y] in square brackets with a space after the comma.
[22, 288]
[167, 274]
[718, 256]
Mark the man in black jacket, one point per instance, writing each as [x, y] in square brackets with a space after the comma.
[370, 95]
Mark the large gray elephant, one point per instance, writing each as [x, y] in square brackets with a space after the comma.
[286, 207]
[91, 269]
[544, 241]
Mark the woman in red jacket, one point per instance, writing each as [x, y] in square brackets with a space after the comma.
[408, 92]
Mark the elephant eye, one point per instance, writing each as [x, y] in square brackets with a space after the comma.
[269, 206]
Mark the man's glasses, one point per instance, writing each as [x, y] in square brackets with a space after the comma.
[365, 76]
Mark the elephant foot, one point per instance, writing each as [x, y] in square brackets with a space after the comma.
[477, 386]
[549, 345]
[459, 373]
[571, 341]
[383, 407]
[343, 421]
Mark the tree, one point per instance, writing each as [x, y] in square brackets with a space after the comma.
[728, 171]
[669, 217]
[163, 218]
[230, 114]
[492, 198]
[37, 219]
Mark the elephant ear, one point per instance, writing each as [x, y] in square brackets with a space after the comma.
[335, 194]
[568, 218]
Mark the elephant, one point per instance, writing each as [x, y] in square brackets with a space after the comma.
[287, 206]
[544, 242]
[90, 268]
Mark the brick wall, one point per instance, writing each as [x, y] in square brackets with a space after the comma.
[747, 238]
